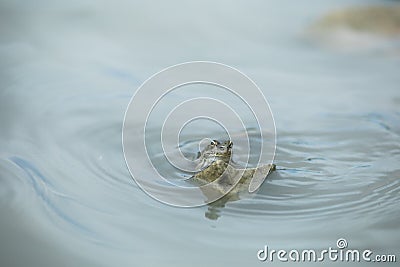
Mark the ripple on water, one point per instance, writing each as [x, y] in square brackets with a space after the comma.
[44, 191]
[332, 174]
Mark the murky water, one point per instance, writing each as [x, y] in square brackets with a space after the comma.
[67, 74]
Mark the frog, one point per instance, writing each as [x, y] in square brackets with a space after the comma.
[215, 162]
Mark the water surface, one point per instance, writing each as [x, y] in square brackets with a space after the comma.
[68, 72]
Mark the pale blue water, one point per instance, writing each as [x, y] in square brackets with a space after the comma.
[68, 71]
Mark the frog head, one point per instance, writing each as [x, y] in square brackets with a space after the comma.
[217, 149]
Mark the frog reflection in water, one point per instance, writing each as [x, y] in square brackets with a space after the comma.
[215, 162]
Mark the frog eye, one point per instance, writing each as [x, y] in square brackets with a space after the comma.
[230, 144]
[214, 142]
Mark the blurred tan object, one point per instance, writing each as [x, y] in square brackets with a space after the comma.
[360, 28]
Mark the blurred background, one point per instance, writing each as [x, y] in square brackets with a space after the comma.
[329, 69]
